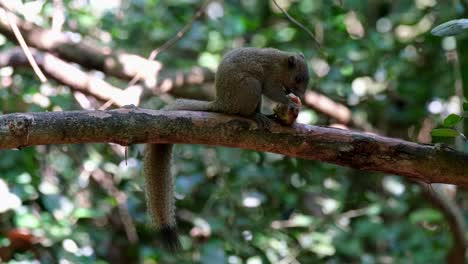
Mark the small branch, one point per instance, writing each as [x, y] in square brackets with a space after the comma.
[341, 113]
[134, 125]
[174, 39]
[107, 183]
[316, 42]
[437, 194]
[24, 46]
[454, 58]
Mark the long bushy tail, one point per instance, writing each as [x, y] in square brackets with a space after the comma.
[192, 105]
[160, 192]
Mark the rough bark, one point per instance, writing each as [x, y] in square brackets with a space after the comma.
[69, 75]
[134, 125]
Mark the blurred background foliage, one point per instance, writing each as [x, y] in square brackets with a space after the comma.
[85, 203]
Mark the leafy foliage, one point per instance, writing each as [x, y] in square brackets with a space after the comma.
[450, 28]
[445, 132]
[85, 203]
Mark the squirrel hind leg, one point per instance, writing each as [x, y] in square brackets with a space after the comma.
[170, 238]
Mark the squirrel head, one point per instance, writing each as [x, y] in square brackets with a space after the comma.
[297, 76]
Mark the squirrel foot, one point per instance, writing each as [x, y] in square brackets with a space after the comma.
[263, 122]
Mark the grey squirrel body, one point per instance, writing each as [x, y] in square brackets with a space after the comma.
[242, 77]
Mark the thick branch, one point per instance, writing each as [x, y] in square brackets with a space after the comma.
[69, 75]
[133, 125]
[169, 81]
[114, 63]
[85, 53]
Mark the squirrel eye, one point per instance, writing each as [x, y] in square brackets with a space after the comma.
[298, 79]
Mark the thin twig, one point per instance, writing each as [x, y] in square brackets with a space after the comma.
[316, 42]
[174, 39]
[454, 218]
[58, 17]
[458, 91]
[107, 104]
[25, 47]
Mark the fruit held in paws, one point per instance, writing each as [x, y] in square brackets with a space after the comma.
[286, 114]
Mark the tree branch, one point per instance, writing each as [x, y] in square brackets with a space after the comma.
[119, 64]
[169, 81]
[175, 38]
[24, 46]
[134, 125]
[126, 66]
[69, 75]
[454, 219]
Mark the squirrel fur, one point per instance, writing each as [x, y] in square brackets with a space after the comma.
[243, 75]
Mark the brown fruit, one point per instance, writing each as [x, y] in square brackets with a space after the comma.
[286, 114]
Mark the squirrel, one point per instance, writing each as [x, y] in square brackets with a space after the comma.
[243, 75]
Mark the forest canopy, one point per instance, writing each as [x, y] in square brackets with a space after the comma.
[383, 117]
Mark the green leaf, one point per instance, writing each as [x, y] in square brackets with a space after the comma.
[213, 252]
[452, 120]
[87, 213]
[428, 214]
[444, 132]
[450, 28]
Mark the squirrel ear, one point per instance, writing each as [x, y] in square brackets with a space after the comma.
[301, 55]
[291, 61]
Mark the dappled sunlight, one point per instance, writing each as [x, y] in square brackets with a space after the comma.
[366, 85]
[215, 10]
[444, 107]
[137, 66]
[406, 33]
[10, 201]
[384, 25]
[393, 185]
[252, 199]
[354, 26]
[320, 67]
[345, 183]
[98, 7]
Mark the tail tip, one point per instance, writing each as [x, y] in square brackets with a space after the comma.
[170, 238]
